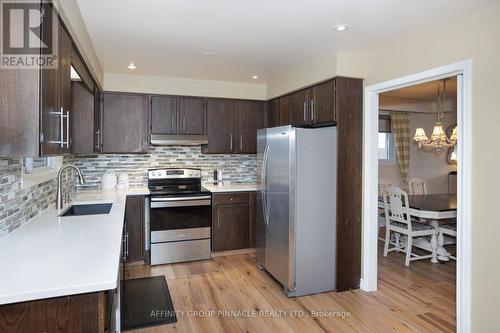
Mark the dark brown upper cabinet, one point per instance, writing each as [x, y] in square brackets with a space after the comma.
[82, 120]
[65, 55]
[97, 121]
[232, 126]
[178, 119]
[279, 111]
[249, 118]
[85, 128]
[322, 107]
[274, 113]
[299, 113]
[285, 105]
[220, 126]
[164, 115]
[124, 123]
[192, 115]
[314, 106]
[55, 131]
[36, 104]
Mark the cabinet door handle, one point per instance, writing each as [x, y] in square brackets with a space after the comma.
[126, 244]
[67, 128]
[312, 110]
[124, 247]
[61, 116]
[184, 122]
[172, 121]
[305, 110]
[241, 141]
[230, 141]
[218, 218]
[62, 127]
[98, 132]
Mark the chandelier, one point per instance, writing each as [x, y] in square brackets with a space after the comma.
[439, 141]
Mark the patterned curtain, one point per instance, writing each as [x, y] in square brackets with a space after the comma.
[401, 132]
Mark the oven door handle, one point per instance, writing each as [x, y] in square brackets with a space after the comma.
[180, 203]
[180, 198]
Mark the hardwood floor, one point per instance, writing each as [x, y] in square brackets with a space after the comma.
[420, 298]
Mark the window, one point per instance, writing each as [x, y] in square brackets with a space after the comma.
[34, 165]
[40, 169]
[385, 146]
[385, 139]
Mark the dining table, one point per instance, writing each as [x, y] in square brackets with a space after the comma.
[434, 209]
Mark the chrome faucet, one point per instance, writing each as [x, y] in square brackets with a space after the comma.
[59, 175]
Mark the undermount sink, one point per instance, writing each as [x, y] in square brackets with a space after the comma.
[87, 209]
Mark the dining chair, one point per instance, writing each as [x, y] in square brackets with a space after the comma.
[382, 185]
[417, 186]
[398, 220]
[449, 230]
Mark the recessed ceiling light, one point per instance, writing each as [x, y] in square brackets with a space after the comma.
[208, 53]
[131, 66]
[342, 27]
[255, 77]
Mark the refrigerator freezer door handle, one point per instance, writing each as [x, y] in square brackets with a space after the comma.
[264, 184]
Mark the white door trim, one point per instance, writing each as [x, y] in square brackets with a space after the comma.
[464, 158]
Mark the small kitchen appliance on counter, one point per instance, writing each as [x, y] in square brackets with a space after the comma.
[109, 181]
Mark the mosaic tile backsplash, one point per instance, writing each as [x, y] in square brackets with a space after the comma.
[235, 168]
[18, 205]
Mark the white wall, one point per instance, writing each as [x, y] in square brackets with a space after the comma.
[177, 86]
[431, 168]
[351, 64]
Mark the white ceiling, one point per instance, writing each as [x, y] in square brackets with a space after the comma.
[250, 37]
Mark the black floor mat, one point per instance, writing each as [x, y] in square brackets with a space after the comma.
[146, 302]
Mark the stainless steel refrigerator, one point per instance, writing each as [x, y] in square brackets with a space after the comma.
[296, 207]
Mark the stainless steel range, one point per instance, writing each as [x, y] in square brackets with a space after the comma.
[181, 216]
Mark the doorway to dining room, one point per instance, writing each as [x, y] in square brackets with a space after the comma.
[417, 174]
[412, 219]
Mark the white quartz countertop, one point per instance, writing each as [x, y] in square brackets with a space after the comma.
[228, 187]
[53, 256]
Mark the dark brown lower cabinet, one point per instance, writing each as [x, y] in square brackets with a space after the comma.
[252, 206]
[134, 218]
[232, 219]
[230, 228]
[76, 313]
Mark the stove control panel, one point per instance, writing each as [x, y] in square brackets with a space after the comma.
[174, 173]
